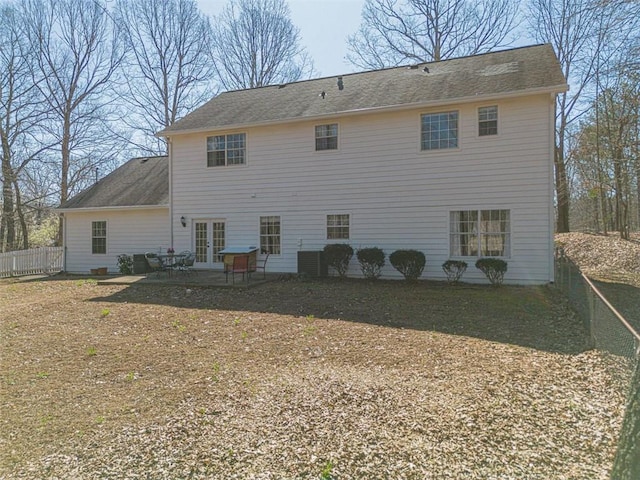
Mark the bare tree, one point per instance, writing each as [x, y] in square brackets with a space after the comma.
[77, 55]
[585, 34]
[396, 31]
[168, 65]
[256, 44]
[21, 116]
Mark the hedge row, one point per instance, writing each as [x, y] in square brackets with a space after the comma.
[410, 263]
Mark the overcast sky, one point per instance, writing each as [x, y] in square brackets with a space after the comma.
[324, 26]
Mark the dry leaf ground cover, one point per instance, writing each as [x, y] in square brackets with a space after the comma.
[613, 264]
[301, 379]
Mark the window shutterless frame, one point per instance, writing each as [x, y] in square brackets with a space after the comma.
[227, 150]
[338, 226]
[440, 131]
[480, 233]
[326, 137]
[99, 237]
[487, 121]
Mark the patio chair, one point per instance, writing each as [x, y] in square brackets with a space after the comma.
[185, 265]
[240, 265]
[155, 264]
[261, 264]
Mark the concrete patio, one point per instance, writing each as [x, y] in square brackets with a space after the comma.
[195, 278]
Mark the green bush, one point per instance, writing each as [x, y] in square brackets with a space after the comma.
[493, 268]
[454, 269]
[125, 264]
[371, 261]
[409, 263]
[338, 256]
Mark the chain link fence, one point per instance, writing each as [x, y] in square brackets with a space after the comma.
[609, 331]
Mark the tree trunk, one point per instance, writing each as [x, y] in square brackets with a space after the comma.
[626, 465]
[23, 222]
[562, 190]
[8, 219]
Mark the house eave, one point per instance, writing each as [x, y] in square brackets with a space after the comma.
[555, 89]
[112, 208]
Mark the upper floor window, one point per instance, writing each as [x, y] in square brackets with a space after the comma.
[99, 237]
[338, 227]
[488, 120]
[480, 233]
[327, 137]
[270, 235]
[439, 130]
[225, 150]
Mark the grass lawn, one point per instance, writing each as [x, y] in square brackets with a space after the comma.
[301, 379]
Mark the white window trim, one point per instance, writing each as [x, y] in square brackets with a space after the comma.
[327, 150]
[281, 233]
[326, 227]
[106, 236]
[499, 127]
[479, 210]
[440, 151]
[226, 165]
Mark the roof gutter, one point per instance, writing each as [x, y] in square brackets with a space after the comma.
[364, 111]
[111, 208]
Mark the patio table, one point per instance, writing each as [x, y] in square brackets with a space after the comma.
[171, 260]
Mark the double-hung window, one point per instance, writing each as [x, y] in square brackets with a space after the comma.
[327, 137]
[270, 235]
[338, 227]
[439, 130]
[99, 237]
[488, 121]
[480, 233]
[224, 150]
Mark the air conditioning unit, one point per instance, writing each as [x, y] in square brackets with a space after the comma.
[312, 263]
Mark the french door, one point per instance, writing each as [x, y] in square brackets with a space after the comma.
[208, 239]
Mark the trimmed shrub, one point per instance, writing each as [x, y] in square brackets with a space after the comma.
[454, 269]
[125, 264]
[493, 268]
[371, 261]
[409, 263]
[338, 256]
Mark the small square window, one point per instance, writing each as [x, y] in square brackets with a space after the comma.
[327, 137]
[488, 121]
[338, 227]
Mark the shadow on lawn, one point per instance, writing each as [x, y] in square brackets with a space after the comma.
[536, 317]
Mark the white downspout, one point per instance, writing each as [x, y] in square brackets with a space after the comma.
[170, 154]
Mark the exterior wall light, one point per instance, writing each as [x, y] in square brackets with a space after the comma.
[183, 221]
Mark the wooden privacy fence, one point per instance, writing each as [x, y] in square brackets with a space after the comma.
[31, 262]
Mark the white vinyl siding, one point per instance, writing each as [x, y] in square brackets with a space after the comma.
[129, 231]
[401, 197]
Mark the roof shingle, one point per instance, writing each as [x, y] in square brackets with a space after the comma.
[139, 182]
[491, 74]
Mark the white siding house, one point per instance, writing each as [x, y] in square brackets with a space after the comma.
[452, 158]
[277, 167]
[126, 212]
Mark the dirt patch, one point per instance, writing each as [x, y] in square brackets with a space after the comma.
[316, 379]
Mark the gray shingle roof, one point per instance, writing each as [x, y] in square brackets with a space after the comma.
[139, 182]
[491, 74]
